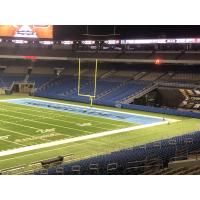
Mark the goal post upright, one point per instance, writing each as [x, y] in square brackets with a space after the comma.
[91, 97]
[79, 75]
[95, 78]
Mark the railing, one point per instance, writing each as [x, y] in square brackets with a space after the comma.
[32, 167]
[150, 161]
[139, 94]
[26, 78]
[46, 84]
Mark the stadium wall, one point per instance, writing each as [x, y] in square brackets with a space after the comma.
[168, 111]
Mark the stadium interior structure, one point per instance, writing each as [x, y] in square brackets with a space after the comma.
[159, 77]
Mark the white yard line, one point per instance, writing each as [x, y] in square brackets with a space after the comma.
[30, 127]
[76, 139]
[46, 123]
[79, 138]
[14, 142]
[103, 109]
[67, 122]
[79, 106]
[4, 137]
[8, 122]
[71, 113]
[19, 133]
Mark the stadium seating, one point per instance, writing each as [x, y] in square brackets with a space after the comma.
[40, 80]
[113, 85]
[186, 77]
[7, 80]
[107, 90]
[129, 72]
[135, 160]
[152, 76]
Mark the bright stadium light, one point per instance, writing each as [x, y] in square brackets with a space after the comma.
[105, 48]
[67, 42]
[20, 41]
[162, 41]
[143, 41]
[33, 58]
[111, 42]
[157, 61]
[46, 42]
[93, 47]
[88, 42]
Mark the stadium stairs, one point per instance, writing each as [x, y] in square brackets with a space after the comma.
[26, 78]
[123, 91]
[140, 93]
[115, 87]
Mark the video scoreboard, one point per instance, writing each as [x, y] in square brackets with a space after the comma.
[27, 31]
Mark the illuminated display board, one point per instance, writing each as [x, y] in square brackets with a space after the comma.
[27, 31]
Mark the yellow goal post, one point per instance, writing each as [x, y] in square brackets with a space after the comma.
[91, 97]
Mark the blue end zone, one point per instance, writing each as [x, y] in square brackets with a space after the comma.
[114, 115]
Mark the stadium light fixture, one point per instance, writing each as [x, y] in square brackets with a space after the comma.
[163, 41]
[157, 61]
[20, 41]
[67, 42]
[88, 42]
[46, 42]
[111, 42]
[33, 58]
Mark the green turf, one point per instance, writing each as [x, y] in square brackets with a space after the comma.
[22, 125]
[25, 125]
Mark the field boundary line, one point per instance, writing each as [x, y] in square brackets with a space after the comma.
[122, 112]
[81, 106]
[58, 148]
[76, 139]
[61, 115]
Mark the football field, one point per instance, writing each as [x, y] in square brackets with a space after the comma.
[33, 129]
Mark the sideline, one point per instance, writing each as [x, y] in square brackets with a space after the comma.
[76, 139]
